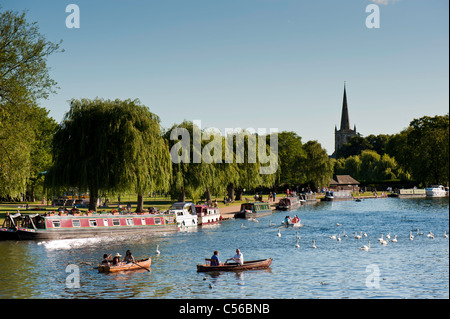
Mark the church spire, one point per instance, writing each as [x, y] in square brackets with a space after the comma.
[345, 121]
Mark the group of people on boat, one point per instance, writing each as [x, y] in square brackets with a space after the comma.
[115, 261]
[237, 258]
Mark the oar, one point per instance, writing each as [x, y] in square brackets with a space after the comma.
[141, 266]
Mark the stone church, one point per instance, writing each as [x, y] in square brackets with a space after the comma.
[344, 133]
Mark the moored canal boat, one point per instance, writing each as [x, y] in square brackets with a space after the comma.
[254, 209]
[65, 226]
[8, 231]
[288, 203]
[338, 195]
[207, 214]
[185, 214]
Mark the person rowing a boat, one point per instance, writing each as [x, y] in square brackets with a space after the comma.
[238, 258]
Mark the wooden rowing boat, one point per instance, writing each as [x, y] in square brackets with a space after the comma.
[248, 265]
[139, 264]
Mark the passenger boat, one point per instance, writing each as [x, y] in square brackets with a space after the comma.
[288, 203]
[207, 214]
[307, 199]
[338, 195]
[64, 226]
[436, 191]
[255, 209]
[185, 214]
[139, 264]
[248, 265]
[8, 231]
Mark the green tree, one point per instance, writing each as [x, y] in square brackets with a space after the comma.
[317, 165]
[428, 150]
[24, 79]
[291, 154]
[24, 75]
[109, 146]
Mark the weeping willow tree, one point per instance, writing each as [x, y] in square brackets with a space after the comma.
[110, 146]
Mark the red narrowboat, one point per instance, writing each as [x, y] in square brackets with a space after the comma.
[63, 226]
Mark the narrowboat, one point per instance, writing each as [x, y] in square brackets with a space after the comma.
[185, 214]
[338, 195]
[255, 209]
[248, 265]
[308, 199]
[8, 231]
[288, 203]
[207, 215]
[64, 226]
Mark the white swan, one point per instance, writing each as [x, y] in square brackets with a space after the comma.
[366, 248]
[279, 233]
[384, 242]
[388, 236]
[157, 250]
[430, 235]
[411, 237]
[333, 237]
[314, 244]
[243, 227]
[445, 234]
[381, 238]
[357, 236]
[297, 245]
[344, 234]
[339, 237]
[394, 240]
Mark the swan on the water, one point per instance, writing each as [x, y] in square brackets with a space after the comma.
[366, 248]
[157, 250]
[314, 244]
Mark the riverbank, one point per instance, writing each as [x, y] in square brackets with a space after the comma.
[161, 203]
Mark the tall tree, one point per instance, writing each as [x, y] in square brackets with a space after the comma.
[317, 165]
[110, 146]
[291, 154]
[24, 79]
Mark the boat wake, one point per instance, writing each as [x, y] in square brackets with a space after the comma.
[66, 244]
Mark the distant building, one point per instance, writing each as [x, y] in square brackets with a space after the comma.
[345, 133]
[344, 182]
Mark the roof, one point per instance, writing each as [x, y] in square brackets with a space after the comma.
[343, 180]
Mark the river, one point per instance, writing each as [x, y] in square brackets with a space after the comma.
[335, 269]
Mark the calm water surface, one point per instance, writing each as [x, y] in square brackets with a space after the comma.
[406, 269]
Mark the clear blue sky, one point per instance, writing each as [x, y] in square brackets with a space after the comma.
[254, 63]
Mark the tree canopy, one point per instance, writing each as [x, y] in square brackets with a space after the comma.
[105, 145]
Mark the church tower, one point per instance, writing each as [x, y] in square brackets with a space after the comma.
[345, 133]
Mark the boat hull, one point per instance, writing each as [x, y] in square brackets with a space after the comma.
[49, 234]
[248, 265]
[8, 234]
[140, 264]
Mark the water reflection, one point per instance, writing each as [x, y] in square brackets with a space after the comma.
[408, 269]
